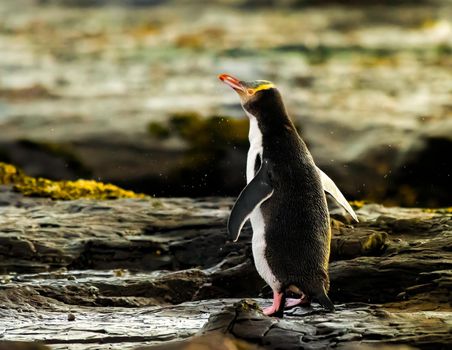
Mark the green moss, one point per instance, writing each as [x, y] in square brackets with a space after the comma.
[209, 139]
[200, 132]
[185, 124]
[158, 130]
[63, 190]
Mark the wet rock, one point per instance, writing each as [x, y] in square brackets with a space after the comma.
[134, 236]
[16, 345]
[212, 341]
[313, 328]
[31, 317]
[135, 273]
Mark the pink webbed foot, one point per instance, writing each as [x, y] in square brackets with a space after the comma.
[268, 311]
[277, 308]
[304, 300]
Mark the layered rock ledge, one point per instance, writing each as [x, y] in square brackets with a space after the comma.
[125, 273]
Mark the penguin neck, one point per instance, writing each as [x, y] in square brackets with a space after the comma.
[269, 126]
[254, 134]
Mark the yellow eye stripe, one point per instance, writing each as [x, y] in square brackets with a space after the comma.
[264, 87]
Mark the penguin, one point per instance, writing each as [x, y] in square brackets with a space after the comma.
[285, 201]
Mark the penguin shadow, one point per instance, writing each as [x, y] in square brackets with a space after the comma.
[306, 310]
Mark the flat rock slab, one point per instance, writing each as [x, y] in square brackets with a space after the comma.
[106, 327]
[306, 328]
[313, 328]
[138, 234]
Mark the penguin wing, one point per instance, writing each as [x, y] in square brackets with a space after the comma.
[330, 187]
[253, 195]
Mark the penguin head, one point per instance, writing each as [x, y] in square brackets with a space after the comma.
[247, 90]
[259, 98]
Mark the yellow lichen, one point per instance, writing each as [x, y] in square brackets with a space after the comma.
[10, 174]
[447, 210]
[375, 242]
[63, 190]
[358, 204]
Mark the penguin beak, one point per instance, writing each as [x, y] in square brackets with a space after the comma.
[232, 82]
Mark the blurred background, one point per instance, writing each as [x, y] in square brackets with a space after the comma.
[127, 91]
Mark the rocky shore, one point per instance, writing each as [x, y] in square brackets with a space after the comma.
[131, 272]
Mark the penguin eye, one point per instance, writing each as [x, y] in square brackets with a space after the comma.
[250, 92]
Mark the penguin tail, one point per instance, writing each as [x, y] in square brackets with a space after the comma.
[325, 301]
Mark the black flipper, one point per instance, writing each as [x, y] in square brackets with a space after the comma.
[253, 195]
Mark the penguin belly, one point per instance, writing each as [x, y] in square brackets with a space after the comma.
[258, 242]
[284, 199]
[259, 248]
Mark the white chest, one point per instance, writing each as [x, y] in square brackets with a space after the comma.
[257, 221]
[255, 138]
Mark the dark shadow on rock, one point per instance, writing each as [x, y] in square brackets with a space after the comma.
[424, 174]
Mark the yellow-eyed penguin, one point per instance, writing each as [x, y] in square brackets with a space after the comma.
[285, 201]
